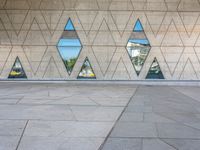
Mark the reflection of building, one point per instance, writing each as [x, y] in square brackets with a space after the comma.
[100, 30]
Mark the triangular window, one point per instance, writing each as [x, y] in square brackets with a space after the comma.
[69, 46]
[86, 71]
[138, 47]
[155, 71]
[138, 27]
[17, 70]
[69, 26]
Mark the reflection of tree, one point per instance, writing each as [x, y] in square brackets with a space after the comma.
[70, 63]
[85, 65]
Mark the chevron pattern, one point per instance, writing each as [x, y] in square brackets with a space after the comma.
[30, 30]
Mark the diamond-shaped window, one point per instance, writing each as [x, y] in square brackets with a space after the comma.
[155, 71]
[17, 70]
[69, 46]
[138, 47]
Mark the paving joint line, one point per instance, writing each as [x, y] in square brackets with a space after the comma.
[174, 88]
[168, 144]
[104, 142]
[22, 135]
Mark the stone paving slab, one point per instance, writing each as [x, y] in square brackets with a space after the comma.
[134, 130]
[11, 127]
[123, 144]
[59, 143]
[158, 118]
[59, 116]
[9, 142]
[42, 116]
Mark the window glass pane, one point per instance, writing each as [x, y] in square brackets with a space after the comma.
[138, 26]
[69, 26]
[138, 47]
[69, 46]
[86, 71]
[17, 70]
[155, 71]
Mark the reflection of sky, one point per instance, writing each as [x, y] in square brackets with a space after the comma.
[139, 41]
[69, 26]
[17, 64]
[138, 26]
[69, 42]
[69, 52]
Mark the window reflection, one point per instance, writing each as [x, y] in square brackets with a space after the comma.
[155, 71]
[86, 71]
[17, 70]
[138, 47]
[69, 46]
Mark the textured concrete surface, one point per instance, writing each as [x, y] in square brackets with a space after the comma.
[82, 116]
[31, 29]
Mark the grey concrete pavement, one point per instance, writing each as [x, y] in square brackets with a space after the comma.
[158, 118]
[60, 116]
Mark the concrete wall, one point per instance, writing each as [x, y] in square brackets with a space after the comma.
[31, 29]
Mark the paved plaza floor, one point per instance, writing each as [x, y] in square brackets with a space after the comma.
[78, 116]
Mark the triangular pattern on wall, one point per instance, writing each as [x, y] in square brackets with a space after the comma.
[121, 72]
[155, 20]
[17, 70]
[172, 37]
[158, 5]
[172, 56]
[35, 35]
[5, 51]
[16, 4]
[188, 72]
[52, 19]
[52, 4]
[121, 20]
[191, 5]
[104, 4]
[86, 71]
[17, 18]
[35, 55]
[189, 20]
[121, 5]
[52, 70]
[34, 4]
[106, 60]
[87, 23]
[138, 47]
[69, 4]
[69, 46]
[104, 35]
[155, 71]
[86, 5]
[172, 5]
